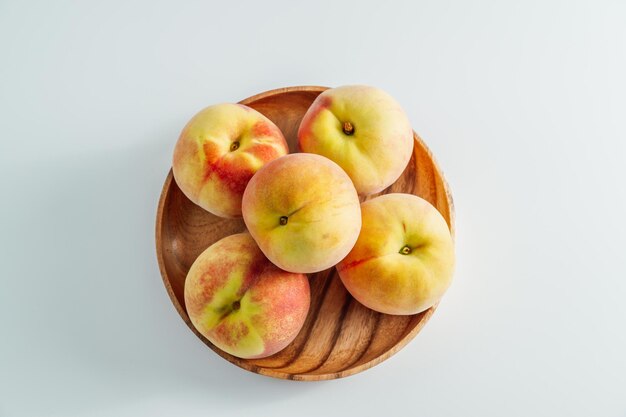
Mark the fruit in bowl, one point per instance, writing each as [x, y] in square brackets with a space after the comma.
[364, 130]
[241, 302]
[180, 228]
[219, 150]
[403, 261]
[303, 211]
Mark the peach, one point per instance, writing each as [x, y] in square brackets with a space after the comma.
[403, 261]
[303, 211]
[241, 302]
[364, 130]
[218, 152]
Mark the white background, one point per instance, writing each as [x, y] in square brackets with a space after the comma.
[522, 102]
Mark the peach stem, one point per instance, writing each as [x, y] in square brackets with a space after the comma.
[348, 129]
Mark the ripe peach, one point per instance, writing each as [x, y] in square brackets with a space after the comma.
[403, 261]
[242, 303]
[303, 211]
[364, 130]
[218, 152]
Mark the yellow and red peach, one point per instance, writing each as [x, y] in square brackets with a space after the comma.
[364, 130]
[241, 302]
[219, 150]
[403, 261]
[303, 211]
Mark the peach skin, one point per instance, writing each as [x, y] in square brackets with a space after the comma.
[303, 211]
[218, 152]
[403, 261]
[364, 130]
[241, 302]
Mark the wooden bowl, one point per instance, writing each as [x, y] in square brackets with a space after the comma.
[340, 337]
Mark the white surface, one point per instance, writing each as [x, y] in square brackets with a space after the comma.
[523, 103]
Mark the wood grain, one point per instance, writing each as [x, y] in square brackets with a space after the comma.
[340, 336]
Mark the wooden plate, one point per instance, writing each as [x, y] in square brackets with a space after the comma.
[340, 336]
